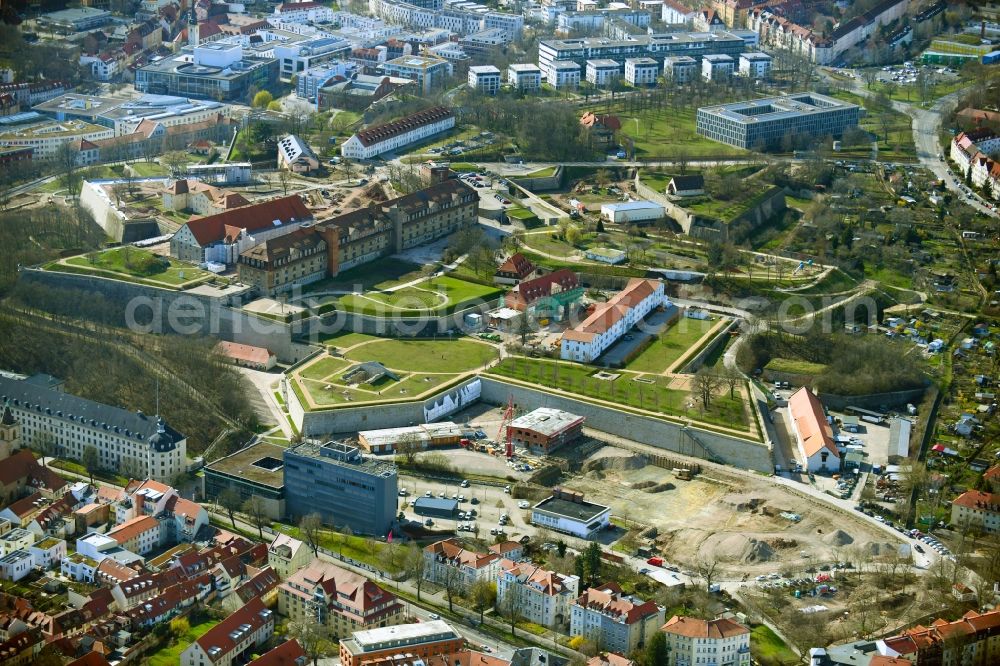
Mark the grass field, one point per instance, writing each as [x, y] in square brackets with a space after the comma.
[127, 262]
[630, 389]
[422, 365]
[768, 649]
[665, 132]
[346, 339]
[671, 345]
[378, 274]
[897, 125]
[171, 656]
[437, 295]
[795, 366]
[358, 548]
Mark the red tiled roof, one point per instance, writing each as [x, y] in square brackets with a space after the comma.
[289, 653]
[517, 264]
[381, 133]
[130, 529]
[610, 659]
[609, 599]
[605, 120]
[213, 228]
[605, 315]
[810, 419]
[530, 291]
[26, 506]
[22, 465]
[451, 551]
[219, 636]
[977, 499]
[695, 628]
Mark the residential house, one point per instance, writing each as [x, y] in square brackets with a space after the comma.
[200, 198]
[515, 268]
[139, 535]
[232, 640]
[613, 620]
[977, 509]
[296, 156]
[449, 562]
[289, 653]
[692, 641]
[813, 433]
[686, 186]
[287, 555]
[551, 295]
[972, 639]
[543, 597]
[247, 356]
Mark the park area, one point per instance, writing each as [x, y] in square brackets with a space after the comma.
[671, 345]
[440, 295]
[133, 265]
[415, 368]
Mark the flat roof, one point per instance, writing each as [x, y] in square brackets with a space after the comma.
[90, 105]
[642, 61]
[374, 639]
[663, 38]
[546, 420]
[524, 67]
[484, 69]
[442, 503]
[777, 108]
[75, 14]
[603, 62]
[343, 455]
[52, 128]
[582, 510]
[632, 205]
[240, 465]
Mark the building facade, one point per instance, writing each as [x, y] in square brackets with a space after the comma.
[485, 78]
[602, 71]
[680, 69]
[422, 640]
[232, 640]
[977, 509]
[279, 264]
[428, 72]
[566, 511]
[524, 77]
[342, 485]
[641, 71]
[541, 596]
[398, 134]
[448, 561]
[692, 641]
[545, 429]
[586, 341]
[613, 620]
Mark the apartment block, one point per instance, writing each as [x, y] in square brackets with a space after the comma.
[524, 76]
[603, 71]
[641, 71]
[691, 641]
[680, 69]
[398, 134]
[543, 597]
[485, 78]
[615, 621]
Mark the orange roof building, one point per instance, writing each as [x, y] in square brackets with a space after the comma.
[977, 508]
[543, 596]
[139, 535]
[720, 641]
[609, 321]
[443, 557]
[813, 433]
[247, 355]
[614, 620]
[515, 268]
[234, 638]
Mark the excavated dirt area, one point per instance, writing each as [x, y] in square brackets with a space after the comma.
[737, 523]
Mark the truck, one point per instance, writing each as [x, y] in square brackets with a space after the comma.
[655, 561]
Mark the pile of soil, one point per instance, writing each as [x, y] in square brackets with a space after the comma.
[737, 548]
[838, 538]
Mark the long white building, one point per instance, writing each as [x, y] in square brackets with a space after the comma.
[691, 641]
[121, 437]
[398, 134]
[609, 321]
[460, 21]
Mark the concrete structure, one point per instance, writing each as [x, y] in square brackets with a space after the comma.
[692, 641]
[586, 341]
[75, 20]
[398, 134]
[257, 470]
[423, 640]
[524, 77]
[304, 12]
[233, 639]
[717, 67]
[300, 56]
[155, 449]
[563, 74]
[813, 434]
[641, 71]
[429, 73]
[765, 122]
[977, 509]
[541, 596]
[216, 70]
[603, 71]
[358, 92]
[341, 600]
[658, 46]
[338, 482]
[680, 69]
[296, 156]
[613, 620]
[485, 78]
[632, 212]
[431, 14]
[545, 429]
[755, 65]
[566, 511]
[425, 436]
[448, 562]
[45, 137]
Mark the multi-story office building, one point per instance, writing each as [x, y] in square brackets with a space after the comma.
[428, 72]
[717, 67]
[485, 78]
[541, 596]
[341, 600]
[602, 72]
[146, 443]
[563, 74]
[390, 137]
[343, 486]
[755, 65]
[298, 56]
[656, 46]
[641, 71]
[765, 122]
[422, 640]
[691, 641]
[524, 76]
[614, 621]
[75, 20]
[257, 470]
[217, 70]
[45, 137]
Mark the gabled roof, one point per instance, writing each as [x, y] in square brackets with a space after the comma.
[609, 600]
[26, 506]
[245, 353]
[212, 229]
[289, 653]
[810, 421]
[977, 499]
[130, 529]
[380, 133]
[690, 182]
[606, 315]
[223, 638]
[517, 264]
[452, 552]
[547, 582]
[691, 627]
[261, 582]
[530, 291]
[22, 465]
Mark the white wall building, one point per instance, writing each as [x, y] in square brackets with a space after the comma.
[303, 12]
[295, 155]
[398, 134]
[542, 596]
[524, 76]
[567, 512]
[632, 212]
[641, 71]
[563, 74]
[603, 71]
[716, 67]
[16, 565]
[46, 138]
[755, 65]
[614, 621]
[680, 69]
[590, 338]
[485, 78]
[813, 433]
[722, 642]
[449, 559]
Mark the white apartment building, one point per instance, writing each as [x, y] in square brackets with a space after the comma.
[298, 56]
[603, 71]
[16, 565]
[720, 642]
[543, 597]
[448, 559]
[105, 66]
[680, 69]
[150, 446]
[233, 639]
[485, 78]
[755, 65]
[978, 509]
[716, 67]
[609, 321]
[524, 76]
[563, 74]
[641, 71]
[46, 138]
[428, 72]
[303, 12]
[398, 134]
[138, 535]
[614, 621]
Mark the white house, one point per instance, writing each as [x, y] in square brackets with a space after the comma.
[542, 597]
[691, 641]
[674, 13]
[295, 155]
[16, 565]
[755, 65]
[79, 567]
[303, 12]
[716, 67]
[524, 76]
[813, 433]
[448, 559]
[641, 71]
[632, 212]
[609, 321]
[566, 511]
[603, 71]
[485, 78]
[563, 74]
[48, 552]
[398, 134]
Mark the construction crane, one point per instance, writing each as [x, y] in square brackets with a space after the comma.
[504, 435]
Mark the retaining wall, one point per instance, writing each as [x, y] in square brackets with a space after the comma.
[720, 339]
[553, 182]
[873, 401]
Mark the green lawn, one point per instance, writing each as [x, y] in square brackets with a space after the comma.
[324, 367]
[897, 125]
[650, 392]
[656, 180]
[128, 262]
[795, 366]
[671, 345]
[147, 169]
[445, 356]
[171, 656]
[461, 167]
[521, 214]
[666, 132]
[346, 339]
[768, 649]
[378, 274]
[541, 173]
[356, 547]
[440, 294]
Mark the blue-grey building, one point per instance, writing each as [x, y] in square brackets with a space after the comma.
[763, 123]
[436, 507]
[345, 487]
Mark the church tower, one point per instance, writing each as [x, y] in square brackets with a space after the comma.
[193, 37]
[10, 432]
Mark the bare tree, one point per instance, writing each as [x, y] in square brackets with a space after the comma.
[483, 594]
[732, 379]
[310, 528]
[256, 509]
[317, 640]
[707, 567]
[703, 386]
[407, 446]
[510, 607]
[229, 499]
[415, 566]
[285, 180]
[454, 584]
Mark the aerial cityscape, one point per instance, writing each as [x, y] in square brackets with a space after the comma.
[499, 333]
